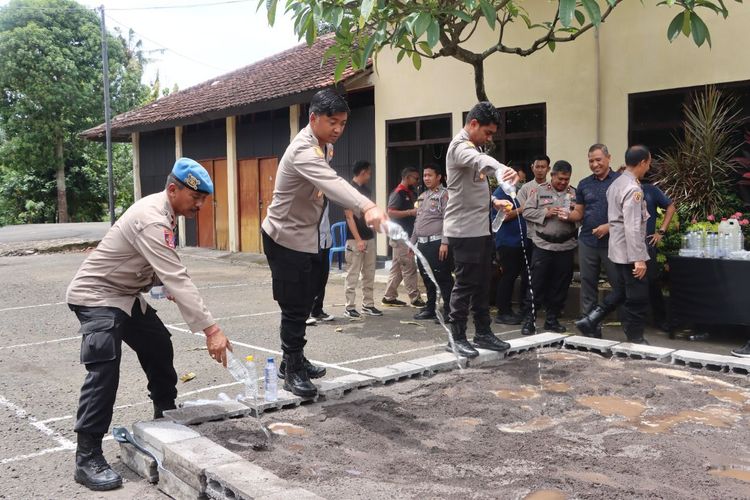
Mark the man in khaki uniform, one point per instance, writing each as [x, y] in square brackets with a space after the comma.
[627, 214]
[137, 253]
[290, 229]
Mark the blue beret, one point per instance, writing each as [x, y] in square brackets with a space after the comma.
[193, 175]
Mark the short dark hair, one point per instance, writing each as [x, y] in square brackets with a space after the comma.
[407, 171]
[360, 166]
[562, 167]
[327, 102]
[636, 154]
[542, 158]
[484, 113]
[171, 179]
[433, 167]
[599, 147]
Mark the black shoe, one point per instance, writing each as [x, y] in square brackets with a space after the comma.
[352, 313]
[463, 347]
[312, 370]
[161, 406]
[742, 352]
[488, 340]
[590, 322]
[529, 327]
[393, 302]
[638, 340]
[598, 332]
[508, 319]
[323, 316]
[92, 470]
[418, 302]
[296, 379]
[372, 311]
[553, 325]
[425, 314]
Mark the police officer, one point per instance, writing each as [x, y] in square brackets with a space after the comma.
[138, 252]
[548, 208]
[467, 227]
[290, 229]
[627, 214]
[430, 241]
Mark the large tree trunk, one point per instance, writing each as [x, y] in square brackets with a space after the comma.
[62, 200]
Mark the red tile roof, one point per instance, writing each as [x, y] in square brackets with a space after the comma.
[295, 71]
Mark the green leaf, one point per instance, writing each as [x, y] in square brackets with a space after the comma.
[421, 23]
[425, 48]
[461, 15]
[433, 33]
[337, 15]
[401, 54]
[699, 29]
[686, 23]
[366, 9]
[416, 60]
[580, 17]
[369, 46]
[551, 45]
[340, 68]
[567, 8]
[592, 9]
[271, 6]
[675, 27]
[489, 12]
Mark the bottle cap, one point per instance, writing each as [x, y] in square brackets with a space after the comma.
[250, 358]
[270, 360]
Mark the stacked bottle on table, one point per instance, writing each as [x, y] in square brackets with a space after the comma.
[727, 243]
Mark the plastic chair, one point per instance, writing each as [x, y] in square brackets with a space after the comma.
[338, 237]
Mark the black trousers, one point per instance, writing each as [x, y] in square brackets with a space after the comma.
[632, 293]
[473, 264]
[442, 271]
[513, 264]
[655, 294]
[292, 273]
[551, 274]
[320, 280]
[104, 329]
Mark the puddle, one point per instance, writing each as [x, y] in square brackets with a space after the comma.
[286, 429]
[729, 396]
[562, 356]
[671, 372]
[713, 416]
[537, 424]
[611, 406]
[556, 387]
[546, 495]
[731, 471]
[517, 394]
[462, 423]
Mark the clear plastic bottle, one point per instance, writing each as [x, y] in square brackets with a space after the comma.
[158, 292]
[497, 222]
[270, 381]
[236, 367]
[508, 188]
[685, 243]
[251, 384]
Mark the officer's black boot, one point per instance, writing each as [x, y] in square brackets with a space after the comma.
[635, 335]
[552, 324]
[161, 406]
[296, 379]
[529, 325]
[590, 323]
[92, 470]
[463, 347]
[486, 339]
[312, 370]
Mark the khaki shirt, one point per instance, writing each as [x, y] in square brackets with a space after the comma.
[135, 254]
[550, 233]
[627, 214]
[431, 207]
[522, 196]
[468, 212]
[303, 177]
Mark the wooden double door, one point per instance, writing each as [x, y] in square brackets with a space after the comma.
[256, 178]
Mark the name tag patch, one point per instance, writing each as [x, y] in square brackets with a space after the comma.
[169, 238]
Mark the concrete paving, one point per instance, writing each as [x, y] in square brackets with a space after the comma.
[40, 374]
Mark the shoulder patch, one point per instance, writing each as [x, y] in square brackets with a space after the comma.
[318, 151]
[638, 196]
[470, 144]
[169, 238]
[330, 153]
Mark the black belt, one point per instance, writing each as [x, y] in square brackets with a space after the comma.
[557, 239]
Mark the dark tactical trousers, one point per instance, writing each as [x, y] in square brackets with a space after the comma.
[473, 266]
[320, 280]
[104, 329]
[441, 270]
[551, 274]
[292, 273]
[656, 296]
[513, 264]
[633, 294]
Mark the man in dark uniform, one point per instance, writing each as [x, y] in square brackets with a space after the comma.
[467, 227]
[429, 238]
[290, 229]
[628, 216]
[138, 252]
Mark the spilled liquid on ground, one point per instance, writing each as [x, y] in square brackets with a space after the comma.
[286, 429]
[713, 416]
[556, 387]
[517, 394]
[734, 472]
[611, 406]
[729, 396]
[546, 495]
[534, 425]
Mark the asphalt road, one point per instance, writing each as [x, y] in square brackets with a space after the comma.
[40, 374]
[88, 231]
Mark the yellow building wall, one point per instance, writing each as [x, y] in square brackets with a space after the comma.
[635, 56]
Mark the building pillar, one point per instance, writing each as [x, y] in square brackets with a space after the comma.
[294, 111]
[178, 154]
[232, 188]
[135, 139]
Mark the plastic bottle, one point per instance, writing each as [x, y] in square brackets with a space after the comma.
[685, 243]
[272, 390]
[508, 188]
[251, 384]
[497, 222]
[158, 292]
[236, 367]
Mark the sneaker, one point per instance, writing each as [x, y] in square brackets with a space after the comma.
[425, 314]
[372, 311]
[742, 352]
[324, 316]
[352, 313]
[393, 302]
[418, 302]
[311, 321]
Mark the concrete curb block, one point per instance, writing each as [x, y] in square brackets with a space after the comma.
[590, 344]
[176, 487]
[524, 344]
[338, 387]
[189, 459]
[220, 410]
[639, 351]
[485, 357]
[154, 434]
[394, 373]
[246, 481]
[139, 462]
[285, 400]
[713, 362]
[442, 362]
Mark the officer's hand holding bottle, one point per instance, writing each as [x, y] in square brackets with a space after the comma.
[217, 344]
[374, 216]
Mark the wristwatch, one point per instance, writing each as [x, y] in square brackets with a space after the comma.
[661, 232]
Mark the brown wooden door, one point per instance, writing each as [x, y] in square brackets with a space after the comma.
[205, 222]
[267, 182]
[248, 194]
[221, 205]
